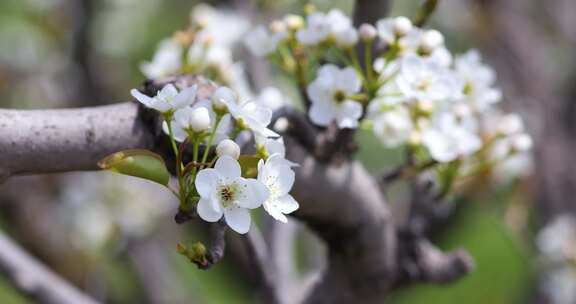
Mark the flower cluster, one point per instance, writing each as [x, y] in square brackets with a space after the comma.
[204, 47]
[407, 87]
[221, 182]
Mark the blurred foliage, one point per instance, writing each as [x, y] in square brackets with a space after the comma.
[503, 271]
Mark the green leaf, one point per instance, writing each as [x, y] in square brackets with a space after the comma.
[139, 163]
[249, 165]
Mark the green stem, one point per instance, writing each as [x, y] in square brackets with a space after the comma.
[358, 67]
[211, 139]
[368, 62]
[179, 166]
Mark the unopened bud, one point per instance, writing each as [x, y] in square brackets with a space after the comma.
[402, 26]
[229, 148]
[294, 22]
[367, 32]
[200, 119]
[521, 142]
[278, 26]
[281, 124]
[431, 40]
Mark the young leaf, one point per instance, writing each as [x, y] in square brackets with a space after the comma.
[139, 163]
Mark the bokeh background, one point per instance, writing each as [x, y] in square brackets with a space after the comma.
[114, 237]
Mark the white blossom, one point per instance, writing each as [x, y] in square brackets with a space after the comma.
[168, 98]
[272, 98]
[224, 192]
[317, 29]
[278, 177]
[448, 138]
[260, 42]
[393, 127]
[256, 117]
[274, 146]
[330, 94]
[229, 148]
[167, 60]
[347, 37]
[390, 29]
[224, 33]
[425, 79]
[320, 26]
[557, 238]
[479, 80]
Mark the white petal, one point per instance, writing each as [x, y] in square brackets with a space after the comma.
[185, 97]
[238, 219]
[322, 113]
[275, 212]
[287, 204]
[228, 167]
[276, 173]
[348, 114]
[142, 98]
[206, 182]
[207, 212]
[254, 193]
[349, 81]
[179, 134]
[168, 92]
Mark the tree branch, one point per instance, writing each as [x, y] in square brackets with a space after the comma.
[33, 279]
[346, 208]
[370, 11]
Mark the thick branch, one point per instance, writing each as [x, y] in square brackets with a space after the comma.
[67, 139]
[33, 279]
[342, 204]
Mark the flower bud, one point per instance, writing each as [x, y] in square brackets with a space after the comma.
[367, 32]
[431, 40]
[222, 97]
[402, 26]
[294, 22]
[521, 142]
[282, 124]
[229, 148]
[200, 119]
[278, 26]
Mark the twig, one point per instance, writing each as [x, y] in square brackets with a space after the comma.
[406, 170]
[425, 12]
[34, 279]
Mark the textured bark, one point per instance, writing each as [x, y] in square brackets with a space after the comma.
[67, 139]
